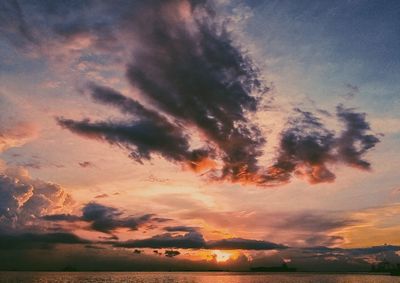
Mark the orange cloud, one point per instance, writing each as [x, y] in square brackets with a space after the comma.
[17, 135]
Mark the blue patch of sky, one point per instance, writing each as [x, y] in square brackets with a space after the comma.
[332, 43]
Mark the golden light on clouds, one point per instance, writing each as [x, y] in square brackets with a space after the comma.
[221, 256]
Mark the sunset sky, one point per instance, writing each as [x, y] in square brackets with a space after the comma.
[184, 134]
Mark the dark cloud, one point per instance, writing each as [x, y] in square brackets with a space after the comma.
[171, 253]
[304, 148]
[186, 65]
[180, 229]
[325, 240]
[105, 219]
[148, 132]
[204, 83]
[85, 164]
[374, 250]
[307, 147]
[83, 256]
[354, 141]
[145, 135]
[242, 244]
[195, 240]
[196, 78]
[61, 217]
[366, 255]
[36, 240]
[191, 240]
[352, 90]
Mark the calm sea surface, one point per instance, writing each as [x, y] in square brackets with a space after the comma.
[188, 277]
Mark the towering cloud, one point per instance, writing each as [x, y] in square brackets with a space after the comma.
[24, 200]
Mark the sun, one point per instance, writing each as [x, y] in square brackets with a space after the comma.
[221, 256]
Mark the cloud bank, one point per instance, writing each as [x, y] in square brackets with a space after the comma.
[195, 240]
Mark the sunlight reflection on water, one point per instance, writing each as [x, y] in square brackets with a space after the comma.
[187, 277]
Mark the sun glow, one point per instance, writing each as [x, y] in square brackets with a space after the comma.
[221, 256]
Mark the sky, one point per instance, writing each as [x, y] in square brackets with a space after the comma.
[198, 135]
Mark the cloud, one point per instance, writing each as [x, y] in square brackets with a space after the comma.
[24, 200]
[354, 141]
[14, 131]
[191, 240]
[85, 257]
[85, 164]
[67, 30]
[104, 219]
[180, 229]
[16, 135]
[195, 240]
[307, 147]
[171, 253]
[374, 250]
[61, 217]
[209, 90]
[202, 86]
[95, 259]
[242, 244]
[324, 240]
[37, 240]
[364, 256]
[352, 90]
[203, 90]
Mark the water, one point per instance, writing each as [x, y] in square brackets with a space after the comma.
[188, 277]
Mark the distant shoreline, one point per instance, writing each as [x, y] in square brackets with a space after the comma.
[208, 271]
